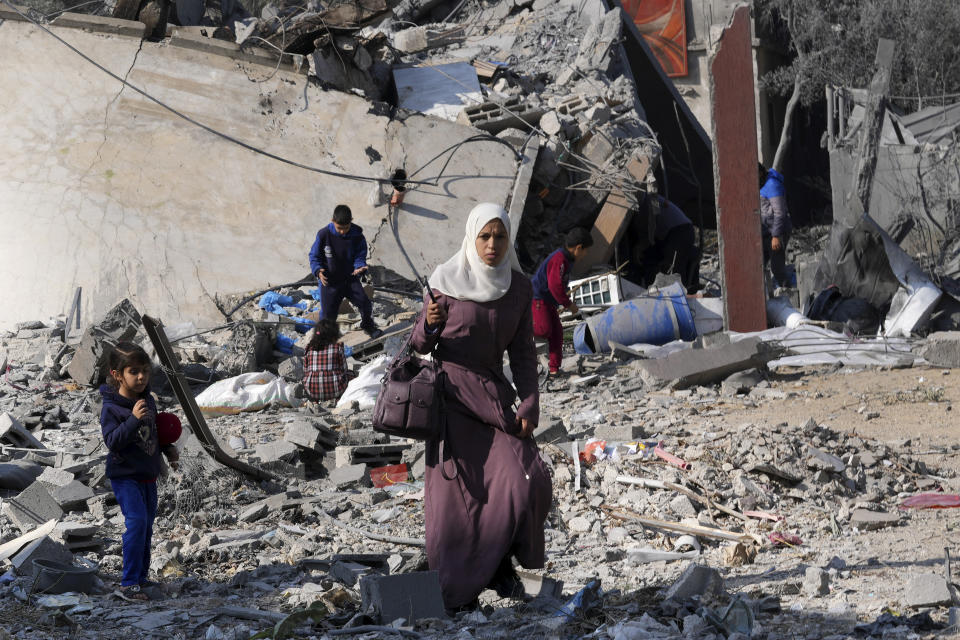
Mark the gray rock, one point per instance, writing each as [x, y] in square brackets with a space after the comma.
[816, 582]
[867, 520]
[927, 590]
[696, 580]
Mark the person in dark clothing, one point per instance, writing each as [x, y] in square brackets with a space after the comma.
[338, 258]
[550, 291]
[775, 223]
[128, 424]
[673, 248]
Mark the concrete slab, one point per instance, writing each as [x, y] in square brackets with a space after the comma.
[606, 233]
[692, 367]
[101, 24]
[32, 507]
[407, 595]
[735, 176]
[73, 496]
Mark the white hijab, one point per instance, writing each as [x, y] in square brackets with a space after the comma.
[465, 276]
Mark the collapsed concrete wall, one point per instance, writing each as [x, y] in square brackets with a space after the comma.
[101, 188]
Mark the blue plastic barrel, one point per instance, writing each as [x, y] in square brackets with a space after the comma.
[653, 319]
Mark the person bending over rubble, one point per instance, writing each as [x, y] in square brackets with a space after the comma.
[550, 283]
[775, 223]
[673, 248]
[487, 499]
[128, 424]
[338, 258]
[325, 374]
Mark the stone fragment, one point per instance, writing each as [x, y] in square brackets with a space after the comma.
[696, 580]
[942, 349]
[598, 41]
[14, 433]
[247, 347]
[310, 435]
[551, 431]
[276, 450]
[121, 323]
[742, 381]
[822, 460]
[867, 520]
[291, 369]
[351, 474]
[550, 123]
[53, 477]
[683, 507]
[72, 496]
[927, 590]
[410, 596]
[619, 432]
[32, 507]
[816, 582]
[579, 524]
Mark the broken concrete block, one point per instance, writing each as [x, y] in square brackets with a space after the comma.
[89, 361]
[410, 596]
[14, 433]
[54, 477]
[550, 123]
[822, 460]
[32, 507]
[742, 381]
[618, 432]
[867, 520]
[291, 369]
[276, 450]
[76, 536]
[816, 582]
[348, 572]
[942, 349]
[43, 548]
[247, 347]
[310, 435]
[353, 474]
[72, 496]
[597, 42]
[254, 512]
[927, 590]
[696, 580]
[410, 40]
[693, 367]
[491, 117]
[551, 431]
[103, 506]
[537, 586]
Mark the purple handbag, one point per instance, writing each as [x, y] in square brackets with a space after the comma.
[410, 403]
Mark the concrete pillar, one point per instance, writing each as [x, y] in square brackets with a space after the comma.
[735, 176]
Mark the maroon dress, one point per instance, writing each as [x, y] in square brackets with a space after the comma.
[494, 502]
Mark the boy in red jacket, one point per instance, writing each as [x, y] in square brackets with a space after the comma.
[550, 291]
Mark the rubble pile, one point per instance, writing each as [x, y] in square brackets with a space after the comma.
[660, 512]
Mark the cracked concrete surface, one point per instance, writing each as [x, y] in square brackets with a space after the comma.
[103, 189]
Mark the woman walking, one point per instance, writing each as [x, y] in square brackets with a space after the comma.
[487, 500]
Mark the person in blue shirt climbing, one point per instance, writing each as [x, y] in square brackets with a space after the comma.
[775, 223]
[338, 258]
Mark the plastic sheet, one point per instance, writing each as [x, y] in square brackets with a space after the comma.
[247, 392]
[932, 501]
[366, 386]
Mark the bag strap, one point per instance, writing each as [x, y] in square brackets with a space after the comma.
[441, 454]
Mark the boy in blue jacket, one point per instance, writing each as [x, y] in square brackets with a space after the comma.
[128, 424]
[775, 223]
[338, 258]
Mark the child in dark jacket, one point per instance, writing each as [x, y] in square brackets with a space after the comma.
[128, 423]
[337, 258]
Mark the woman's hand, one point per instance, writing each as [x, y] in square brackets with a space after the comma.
[526, 428]
[436, 315]
[140, 409]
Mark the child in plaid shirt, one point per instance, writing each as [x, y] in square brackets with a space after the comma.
[325, 373]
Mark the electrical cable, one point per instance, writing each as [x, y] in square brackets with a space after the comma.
[207, 128]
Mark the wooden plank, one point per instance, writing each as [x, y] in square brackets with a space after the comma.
[11, 548]
[607, 231]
